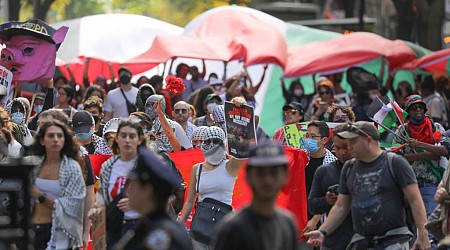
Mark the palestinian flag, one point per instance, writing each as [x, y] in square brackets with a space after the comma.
[399, 112]
[389, 147]
[382, 113]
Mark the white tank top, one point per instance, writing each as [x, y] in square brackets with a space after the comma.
[217, 184]
[50, 188]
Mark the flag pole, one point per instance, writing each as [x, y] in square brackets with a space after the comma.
[398, 117]
[387, 129]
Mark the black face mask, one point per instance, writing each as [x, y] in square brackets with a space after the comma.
[95, 119]
[125, 79]
[340, 120]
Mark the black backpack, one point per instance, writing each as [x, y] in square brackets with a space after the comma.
[408, 212]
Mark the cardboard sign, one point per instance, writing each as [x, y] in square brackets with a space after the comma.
[99, 231]
[240, 126]
[6, 95]
[294, 132]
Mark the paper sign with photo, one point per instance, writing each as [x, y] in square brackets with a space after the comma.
[6, 95]
[240, 125]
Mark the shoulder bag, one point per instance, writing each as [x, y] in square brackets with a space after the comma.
[207, 216]
[131, 107]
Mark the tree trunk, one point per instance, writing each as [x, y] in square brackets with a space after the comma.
[13, 9]
[41, 8]
[405, 19]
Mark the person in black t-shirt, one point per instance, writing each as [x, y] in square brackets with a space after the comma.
[375, 192]
[262, 225]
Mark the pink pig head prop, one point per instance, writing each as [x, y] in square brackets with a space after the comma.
[30, 49]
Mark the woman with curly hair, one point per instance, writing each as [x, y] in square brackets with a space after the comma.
[93, 90]
[59, 188]
[340, 113]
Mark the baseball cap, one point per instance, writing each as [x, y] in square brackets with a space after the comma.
[111, 126]
[212, 96]
[40, 96]
[360, 128]
[150, 168]
[324, 81]
[410, 100]
[215, 81]
[294, 105]
[267, 154]
[82, 122]
[123, 69]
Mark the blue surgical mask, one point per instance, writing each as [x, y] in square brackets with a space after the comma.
[145, 131]
[84, 136]
[38, 108]
[151, 112]
[17, 117]
[311, 145]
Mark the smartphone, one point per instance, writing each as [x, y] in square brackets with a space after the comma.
[334, 189]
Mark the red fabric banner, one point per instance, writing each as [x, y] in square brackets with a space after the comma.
[292, 196]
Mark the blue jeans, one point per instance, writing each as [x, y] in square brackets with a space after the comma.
[427, 190]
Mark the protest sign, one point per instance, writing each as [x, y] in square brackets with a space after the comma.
[99, 231]
[240, 126]
[5, 86]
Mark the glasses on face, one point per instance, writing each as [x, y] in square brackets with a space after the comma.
[312, 136]
[213, 141]
[417, 107]
[324, 92]
[290, 112]
[354, 129]
[179, 111]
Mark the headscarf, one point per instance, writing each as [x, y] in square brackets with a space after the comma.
[140, 104]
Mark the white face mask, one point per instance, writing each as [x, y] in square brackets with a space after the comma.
[298, 92]
[214, 153]
[210, 107]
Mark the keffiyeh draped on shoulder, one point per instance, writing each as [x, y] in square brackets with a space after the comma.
[68, 210]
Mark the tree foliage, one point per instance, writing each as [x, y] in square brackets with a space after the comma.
[178, 12]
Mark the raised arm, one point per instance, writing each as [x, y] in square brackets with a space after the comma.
[168, 130]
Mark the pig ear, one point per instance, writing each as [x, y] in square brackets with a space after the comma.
[60, 34]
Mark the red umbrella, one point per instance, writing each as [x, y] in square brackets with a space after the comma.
[435, 62]
[338, 54]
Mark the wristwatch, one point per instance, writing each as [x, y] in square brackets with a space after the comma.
[41, 199]
[323, 232]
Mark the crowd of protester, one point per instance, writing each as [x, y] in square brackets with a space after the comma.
[67, 122]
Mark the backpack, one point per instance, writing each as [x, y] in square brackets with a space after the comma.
[408, 212]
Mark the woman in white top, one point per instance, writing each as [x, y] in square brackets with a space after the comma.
[114, 175]
[59, 189]
[218, 175]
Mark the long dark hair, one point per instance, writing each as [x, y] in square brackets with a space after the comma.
[71, 147]
[128, 123]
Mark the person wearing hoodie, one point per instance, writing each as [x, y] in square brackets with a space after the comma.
[17, 111]
[145, 90]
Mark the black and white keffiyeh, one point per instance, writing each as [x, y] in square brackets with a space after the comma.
[199, 133]
[68, 210]
[162, 141]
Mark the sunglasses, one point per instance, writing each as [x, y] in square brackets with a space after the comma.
[180, 111]
[290, 112]
[324, 93]
[213, 141]
[418, 106]
[354, 129]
